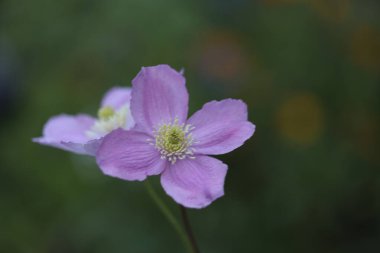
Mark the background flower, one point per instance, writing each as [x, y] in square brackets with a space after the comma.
[82, 133]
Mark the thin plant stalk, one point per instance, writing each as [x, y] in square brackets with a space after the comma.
[170, 217]
[189, 231]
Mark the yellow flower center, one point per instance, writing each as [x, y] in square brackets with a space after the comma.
[174, 141]
[109, 120]
[106, 112]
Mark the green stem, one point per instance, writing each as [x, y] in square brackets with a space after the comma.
[169, 216]
[188, 229]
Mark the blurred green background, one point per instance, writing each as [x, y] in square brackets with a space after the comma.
[309, 179]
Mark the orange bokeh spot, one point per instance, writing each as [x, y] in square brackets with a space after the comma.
[365, 48]
[300, 118]
[280, 2]
[364, 132]
[220, 55]
[334, 11]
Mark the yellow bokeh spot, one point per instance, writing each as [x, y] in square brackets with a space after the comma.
[300, 118]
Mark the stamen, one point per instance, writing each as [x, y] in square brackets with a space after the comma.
[106, 112]
[108, 120]
[174, 141]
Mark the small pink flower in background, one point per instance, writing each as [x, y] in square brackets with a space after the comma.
[82, 134]
[165, 142]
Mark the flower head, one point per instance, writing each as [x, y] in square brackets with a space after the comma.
[82, 133]
[165, 142]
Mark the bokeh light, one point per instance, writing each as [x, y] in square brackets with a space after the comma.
[334, 11]
[365, 47]
[300, 118]
[220, 56]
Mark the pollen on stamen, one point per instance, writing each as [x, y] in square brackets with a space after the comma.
[106, 112]
[174, 141]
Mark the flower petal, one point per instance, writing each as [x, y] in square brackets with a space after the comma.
[158, 95]
[220, 127]
[195, 183]
[129, 156]
[67, 132]
[117, 97]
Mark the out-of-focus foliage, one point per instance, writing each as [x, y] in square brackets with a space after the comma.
[309, 70]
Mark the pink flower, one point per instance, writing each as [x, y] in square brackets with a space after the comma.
[82, 134]
[165, 142]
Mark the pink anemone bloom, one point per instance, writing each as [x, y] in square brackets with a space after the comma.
[165, 142]
[82, 134]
